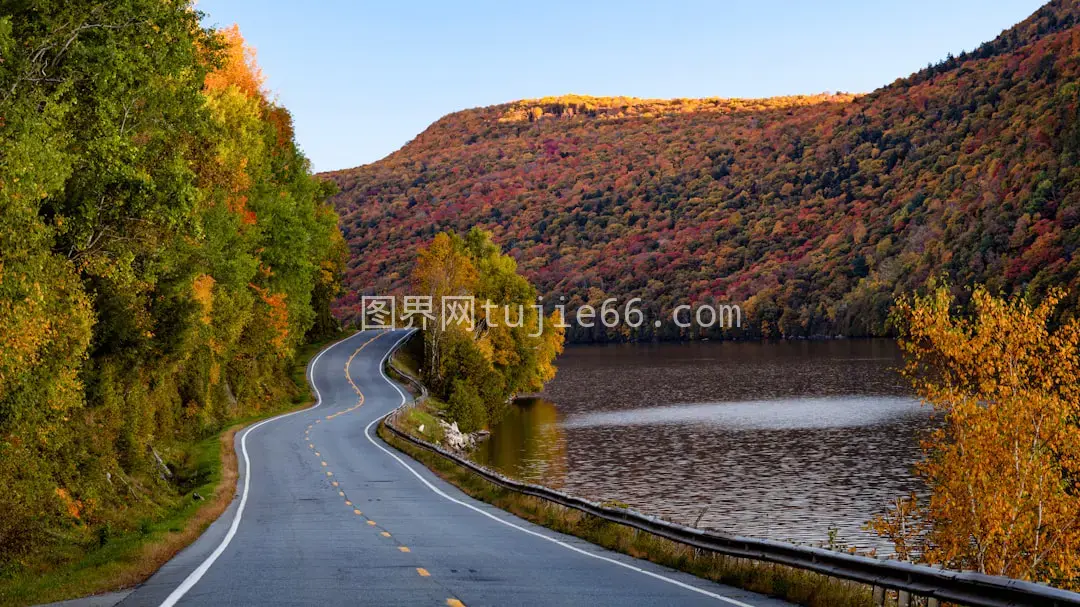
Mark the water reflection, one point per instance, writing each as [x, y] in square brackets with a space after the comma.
[783, 441]
[528, 443]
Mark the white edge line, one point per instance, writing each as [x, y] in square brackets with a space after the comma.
[194, 577]
[436, 490]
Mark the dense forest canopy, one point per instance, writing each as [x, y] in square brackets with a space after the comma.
[163, 251]
[814, 213]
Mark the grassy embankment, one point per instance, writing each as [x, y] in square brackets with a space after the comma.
[421, 420]
[796, 586]
[121, 558]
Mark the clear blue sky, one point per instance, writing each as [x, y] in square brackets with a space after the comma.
[362, 78]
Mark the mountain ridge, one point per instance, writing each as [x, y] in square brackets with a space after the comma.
[813, 211]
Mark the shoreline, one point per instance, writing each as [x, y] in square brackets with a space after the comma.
[798, 586]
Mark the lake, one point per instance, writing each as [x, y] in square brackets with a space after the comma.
[785, 441]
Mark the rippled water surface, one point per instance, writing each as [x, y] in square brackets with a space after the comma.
[783, 440]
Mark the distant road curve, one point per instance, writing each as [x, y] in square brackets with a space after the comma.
[327, 514]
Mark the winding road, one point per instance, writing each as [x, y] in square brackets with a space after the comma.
[328, 514]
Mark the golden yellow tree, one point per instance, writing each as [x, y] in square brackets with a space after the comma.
[508, 349]
[1004, 469]
[443, 269]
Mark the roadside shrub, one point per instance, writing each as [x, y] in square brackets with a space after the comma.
[466, 407]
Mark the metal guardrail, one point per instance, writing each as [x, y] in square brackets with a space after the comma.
[409, 379]
[909, 580]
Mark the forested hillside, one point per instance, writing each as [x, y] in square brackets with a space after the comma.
[812, 212]
[163, 251]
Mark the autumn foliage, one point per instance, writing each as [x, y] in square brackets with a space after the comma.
[237, 65]
[1004, 469]
[477, 369]
[164, 249]
[813, 212]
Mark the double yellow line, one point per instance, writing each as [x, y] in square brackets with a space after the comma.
[359, 394]
[451, 602]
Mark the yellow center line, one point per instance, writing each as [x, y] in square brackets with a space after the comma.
[385, 534]
[423, 572]
[359, 403]
[404, 548]
[351, 382]
[454, 603]
[348, 363]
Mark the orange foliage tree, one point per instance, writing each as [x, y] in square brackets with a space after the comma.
[238, 66]
[1004, 469]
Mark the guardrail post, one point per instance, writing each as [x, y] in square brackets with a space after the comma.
[879, 596]
[903, 599]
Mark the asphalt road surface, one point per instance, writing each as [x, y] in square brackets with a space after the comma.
[328, 514]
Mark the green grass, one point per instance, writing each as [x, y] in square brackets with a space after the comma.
[794, 585]
[143, 538]
[427, 414]
[116, 558]
[424, 416]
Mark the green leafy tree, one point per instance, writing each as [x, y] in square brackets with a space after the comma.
[466, 407]
[163, 250]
